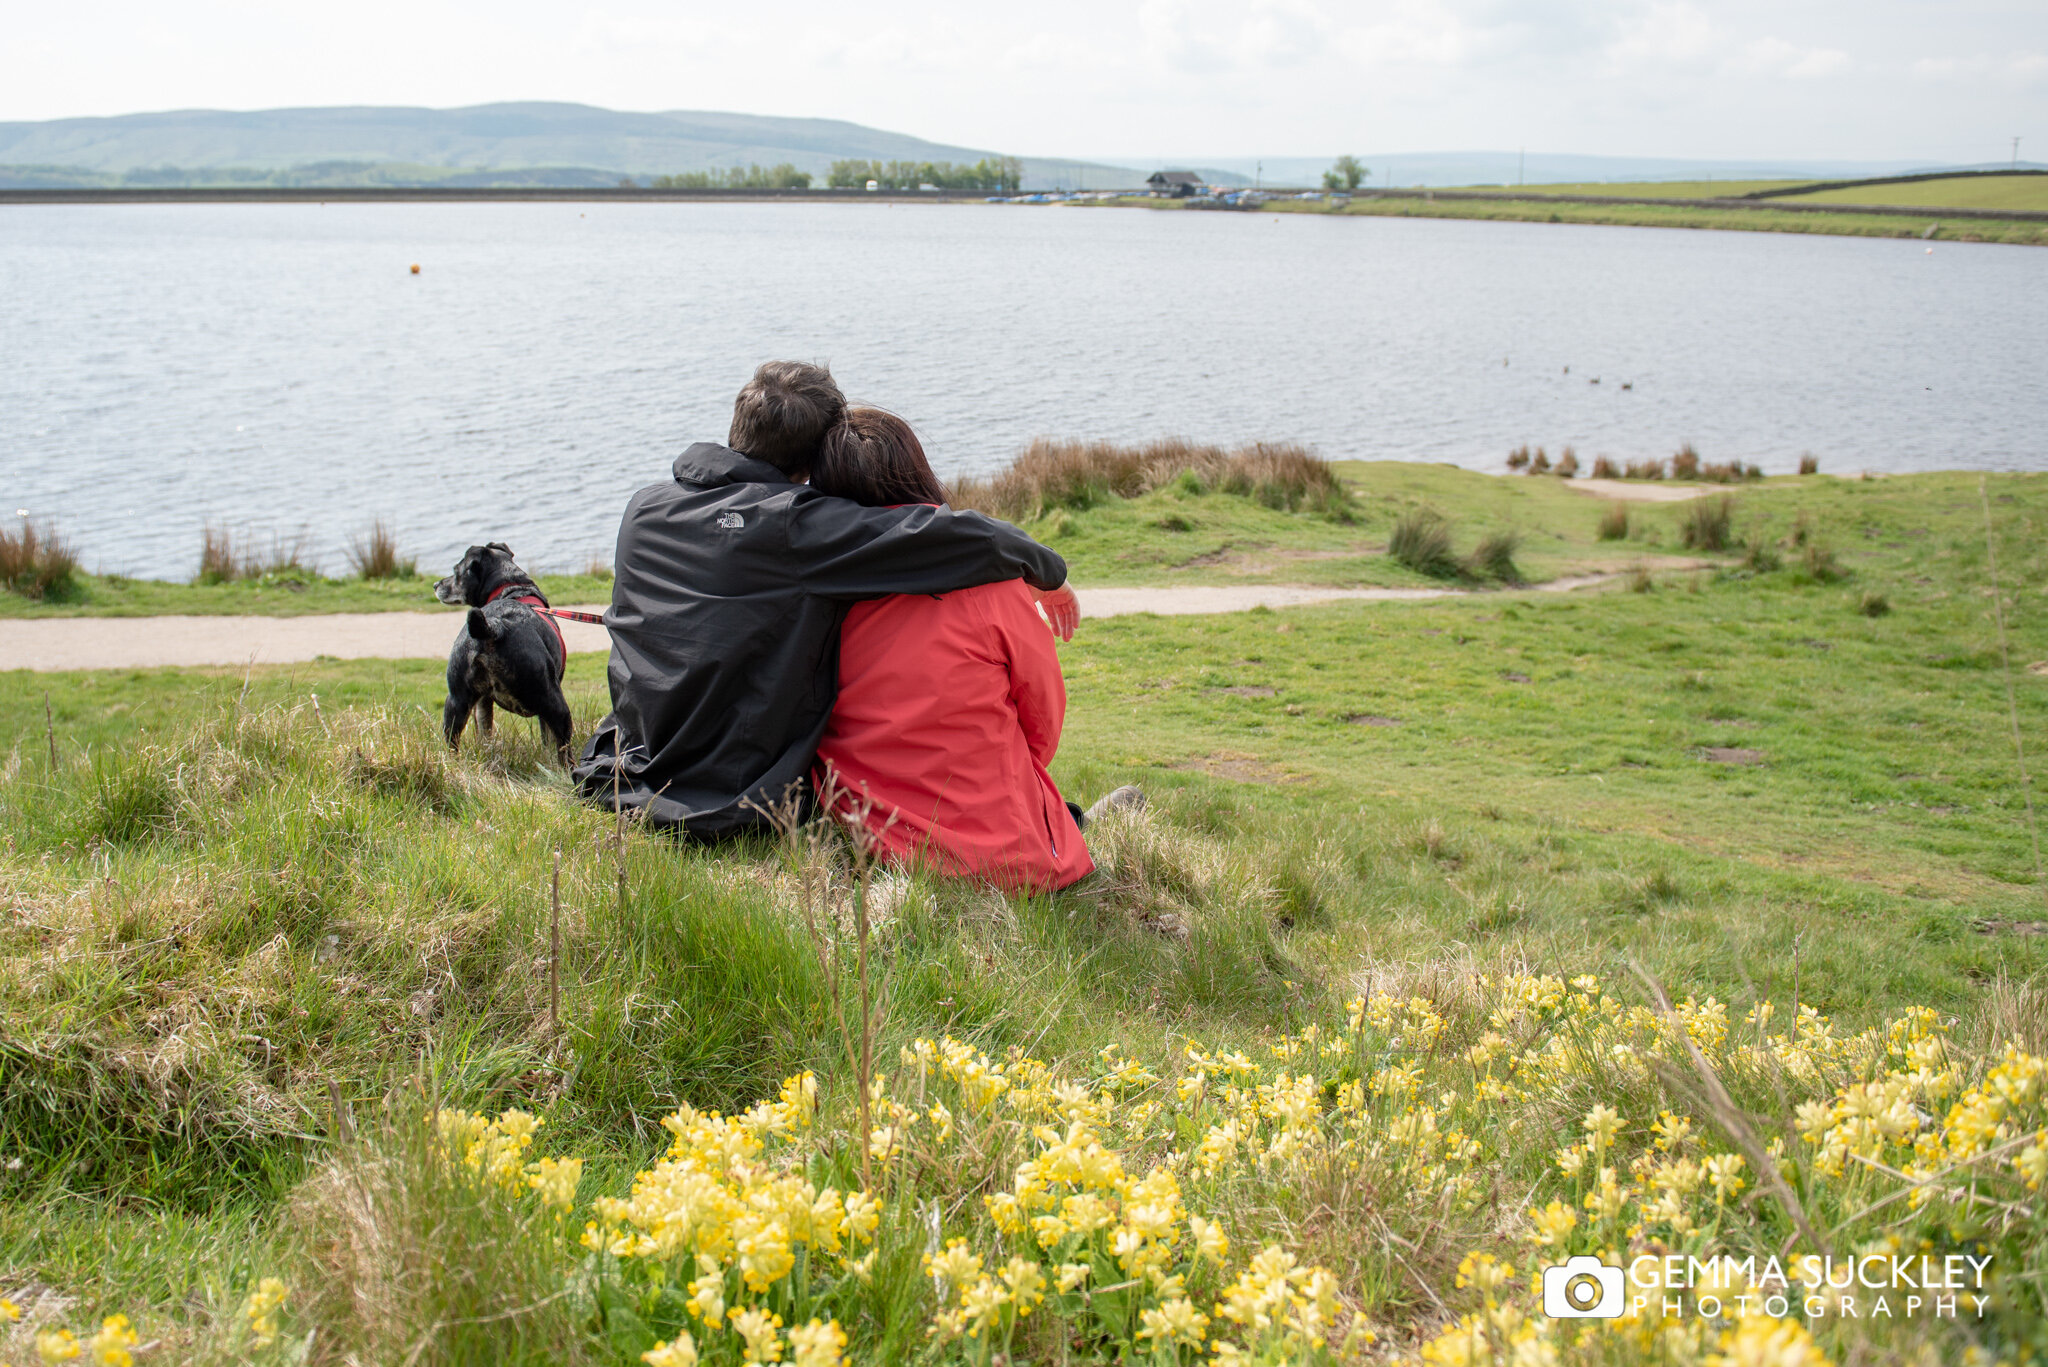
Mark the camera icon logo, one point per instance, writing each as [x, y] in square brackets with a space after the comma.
[1583, 1288]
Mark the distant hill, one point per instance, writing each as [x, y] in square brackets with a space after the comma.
[526, 143]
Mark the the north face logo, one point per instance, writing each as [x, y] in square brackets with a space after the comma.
[731, 520]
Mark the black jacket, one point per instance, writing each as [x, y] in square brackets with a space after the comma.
[731, 583]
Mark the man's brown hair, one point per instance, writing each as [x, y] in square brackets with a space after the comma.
[784, 412]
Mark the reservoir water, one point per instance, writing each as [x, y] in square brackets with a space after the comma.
[277, 368]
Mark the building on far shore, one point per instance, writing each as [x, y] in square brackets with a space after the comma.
[1174, 184]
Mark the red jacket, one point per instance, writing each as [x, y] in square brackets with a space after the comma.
[949, 710]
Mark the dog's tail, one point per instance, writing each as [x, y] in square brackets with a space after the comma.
[480, 628]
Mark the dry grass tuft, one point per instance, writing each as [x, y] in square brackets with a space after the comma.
[1644, 469]
[1809, 465]
[374, 555]
[36, 563]
[225, 558]
[1051, 475]
[1686, 464]
[1604, 468]
[1705, 523]
[1614, 522]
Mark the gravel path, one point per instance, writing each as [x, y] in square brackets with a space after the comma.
[50, 643]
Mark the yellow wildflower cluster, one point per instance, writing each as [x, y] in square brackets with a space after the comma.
[495, 1150]
[1639, 1193]
[108, 1347]
[737, 1232]
[261, 1311]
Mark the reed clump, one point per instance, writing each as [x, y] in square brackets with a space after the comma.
[1494, 558]
[1051, 475]
[37, 563]
[1686, 464]
[1614, 522]
[225, 558]
[374, 555]
[1644, 469]
[1422, 541]
[1809, 465]
[1568, 464]
[1605, 468]
[1705, 524]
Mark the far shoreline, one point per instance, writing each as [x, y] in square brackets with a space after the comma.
[2012, 227]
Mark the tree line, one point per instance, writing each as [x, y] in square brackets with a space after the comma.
[990, 173]
[781, 176]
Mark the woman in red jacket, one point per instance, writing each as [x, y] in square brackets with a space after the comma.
[950, 706]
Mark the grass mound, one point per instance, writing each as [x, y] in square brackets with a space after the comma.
[1422, 541]
[1051, 475]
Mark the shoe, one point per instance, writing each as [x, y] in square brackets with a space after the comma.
[1128, 798]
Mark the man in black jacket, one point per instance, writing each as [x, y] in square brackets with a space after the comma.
[731, 582]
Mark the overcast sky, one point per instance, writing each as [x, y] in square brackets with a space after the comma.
[1866, 79]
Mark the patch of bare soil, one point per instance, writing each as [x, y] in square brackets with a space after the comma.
[1246, 691]
[2039, 667]
[1731, 754]
[1368, 719]
[1643, 490]
[2012, 927]
[1514, 676]
[1239, 767]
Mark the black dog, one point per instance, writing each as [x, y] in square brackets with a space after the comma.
[508, 654]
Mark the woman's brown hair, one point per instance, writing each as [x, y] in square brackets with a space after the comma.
[871, 456]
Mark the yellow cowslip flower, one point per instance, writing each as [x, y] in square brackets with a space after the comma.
[942, 1119]
[1606, 1199]
[957, 1266]
[818, 1344]
[1210, 1241]
[680, 1351]
[758, 1328]
[1071, 1275]
[1759, 1341]
[554, 1180]
[863, 1213]
[1603, 1123]
[1085, 1213]
[58, 1345]
[261, 1310]
[1671, 1130]
[2032, 1162]
[864, 1267]
[109, 1347]
[1176, 1323]
[1048, 1230]
[1552, 1223]
[1005, 1210]
[9, 1311]
[707, 1295]
[1721, 1171]
[981, 1303]
[1484, 1271]
[1026, 1283]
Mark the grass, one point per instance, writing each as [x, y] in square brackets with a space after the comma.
[1705, 524]
[1648, 189]
[2025, 193]
[1763, 219]
[230, 910]
[1422, 541]
[225, 558]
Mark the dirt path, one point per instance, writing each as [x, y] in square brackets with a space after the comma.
[51, 643]
[1643, 491]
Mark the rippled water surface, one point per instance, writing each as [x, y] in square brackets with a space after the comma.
[277, 367]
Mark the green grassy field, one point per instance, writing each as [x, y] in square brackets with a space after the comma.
[1973, 192]
[258, 922]
[1646, 189]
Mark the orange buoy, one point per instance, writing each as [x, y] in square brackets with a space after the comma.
[415, 268]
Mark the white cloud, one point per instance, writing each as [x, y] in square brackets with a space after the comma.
[1775, 57]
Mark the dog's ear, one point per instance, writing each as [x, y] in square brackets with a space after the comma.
[499, 546]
